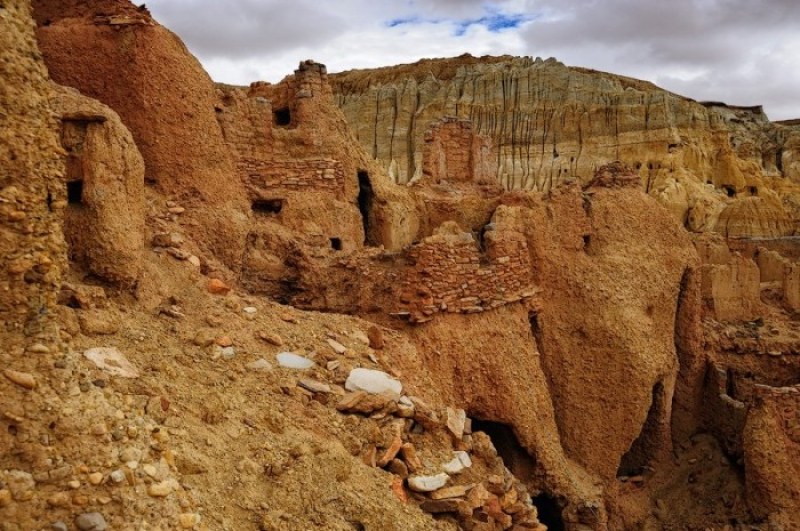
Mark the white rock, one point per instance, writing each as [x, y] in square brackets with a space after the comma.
[260, 365]
[290, 360]
[249, 309]
[117, 476]
[456, 419]
[360, 336]
[373, 382]
[336, 346]
[111, 360]
[459, 463]
[427, 483]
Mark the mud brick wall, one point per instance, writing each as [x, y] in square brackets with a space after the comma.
[246, 126]
[265, 177]
[454, 152]
[786, 400]
[451, 274]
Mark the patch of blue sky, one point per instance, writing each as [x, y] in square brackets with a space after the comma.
[494, 22]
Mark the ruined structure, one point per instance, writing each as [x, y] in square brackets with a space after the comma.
[228, 308]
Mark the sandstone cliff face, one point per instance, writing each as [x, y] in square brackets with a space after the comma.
[550, 123]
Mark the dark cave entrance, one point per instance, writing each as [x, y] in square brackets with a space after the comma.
[643, 450]
[549, 512]
[267, 206]
[75, 192]
[515, 457]
[336, 244]
[730, 191]
[366, 198]
[282, 117]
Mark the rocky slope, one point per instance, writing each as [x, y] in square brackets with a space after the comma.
[549, 124]
[256, 328]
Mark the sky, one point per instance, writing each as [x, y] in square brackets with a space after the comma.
[742, 52]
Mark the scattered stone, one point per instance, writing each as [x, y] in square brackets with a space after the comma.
[314, 386]
[375, 336]
[95, 323]
[59, 526]
[117, 476]
[409, 454]
[456, 419]
[95, 478]
[224, 341]
[160, 490]
[405, 408]
[188, 520]
[249, 309]
[167, 239]
[336, 346]
[456, 491]
[441, 506]
[271, 338]
[23, 379]
[333, 365]
[460, 462]
[478, 496]
[91, 522]
[179, 254]
[427, 483]
[5, 497]
[260, 365]
[365, 403]
[289, 318]
[373, 382]
[38, 348]
[217, 287]
[391, 452]
[290, 360]
[226, 352]
[398, 490]
[398, 468]
[360, 336]
[111, 360]
[204, 337]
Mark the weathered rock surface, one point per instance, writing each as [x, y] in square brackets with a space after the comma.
[549, 124]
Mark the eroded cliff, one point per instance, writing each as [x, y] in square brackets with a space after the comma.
[549, 124]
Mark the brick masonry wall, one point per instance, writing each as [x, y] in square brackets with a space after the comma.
[454, 152]
[786, 400]
[263, 177]
[450, 274]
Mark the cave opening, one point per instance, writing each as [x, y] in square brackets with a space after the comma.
[366, 198]
[730, 191]
[643, 450]
[753, 190]
[779, 160]
[282, 117]
[267, 206]
[336, 244]
[508, 447]
[549, 512]
[75, 192]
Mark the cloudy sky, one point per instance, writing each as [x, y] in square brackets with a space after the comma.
[743, 52]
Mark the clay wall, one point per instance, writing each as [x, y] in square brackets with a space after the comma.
[732, 292]
[454, 152]
[292, 175]
[451, 274]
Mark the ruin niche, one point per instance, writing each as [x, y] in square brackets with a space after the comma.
[454, 152]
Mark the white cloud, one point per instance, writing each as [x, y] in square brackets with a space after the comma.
[739, 51]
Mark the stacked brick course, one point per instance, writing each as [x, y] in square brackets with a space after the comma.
[292, 175]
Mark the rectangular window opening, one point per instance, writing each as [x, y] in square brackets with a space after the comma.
[267, 206]
[75, 192]
[282, 116]
[336, 244]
